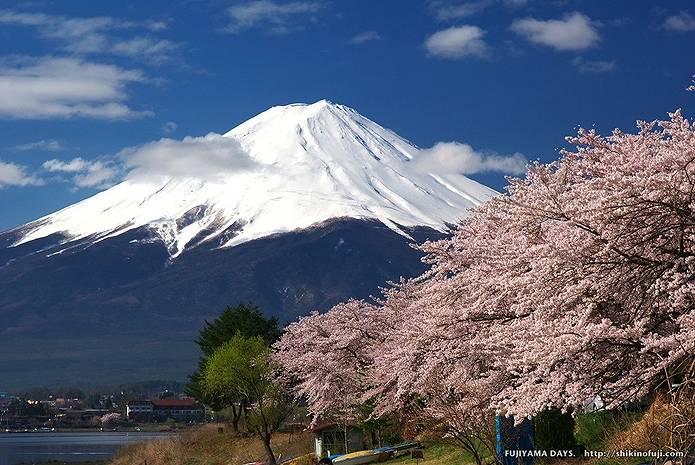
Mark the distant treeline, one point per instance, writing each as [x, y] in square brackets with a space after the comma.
[138, 389]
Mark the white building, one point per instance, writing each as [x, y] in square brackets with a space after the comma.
[139, 408]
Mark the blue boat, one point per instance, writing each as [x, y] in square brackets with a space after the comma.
[399, 450]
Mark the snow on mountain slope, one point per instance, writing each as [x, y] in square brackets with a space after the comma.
[311, 163]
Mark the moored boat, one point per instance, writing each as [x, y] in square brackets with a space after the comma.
[399, 450]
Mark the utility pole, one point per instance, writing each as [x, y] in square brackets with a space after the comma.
[513, 439]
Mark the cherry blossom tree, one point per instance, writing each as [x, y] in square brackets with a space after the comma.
[326, 357]
[110, 418]
[577, 283]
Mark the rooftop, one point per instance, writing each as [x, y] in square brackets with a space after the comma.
[174, 403]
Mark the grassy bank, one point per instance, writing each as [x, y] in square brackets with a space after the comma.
[206, 446]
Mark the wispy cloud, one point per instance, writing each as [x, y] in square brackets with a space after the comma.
[270, 16]
[574, 31]
[12, 174]
[457, 42]
[46, 145]
[450, 10]
[156, 50]
[594, 66]
[363, 37]
[86, 173]
[100, 34]
[169, 127]
[48, 87]
[455, 157]
[682, 22]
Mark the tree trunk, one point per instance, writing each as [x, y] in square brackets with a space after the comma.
[236, 416]
[269, 450]
[235, 425]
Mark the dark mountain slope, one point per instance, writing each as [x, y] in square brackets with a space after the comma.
[120, 309]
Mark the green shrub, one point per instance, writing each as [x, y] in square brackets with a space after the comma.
[593, 428]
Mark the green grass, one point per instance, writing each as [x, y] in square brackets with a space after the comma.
[593, 430]
[206, 446]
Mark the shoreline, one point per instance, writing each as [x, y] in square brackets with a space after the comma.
[92, 431]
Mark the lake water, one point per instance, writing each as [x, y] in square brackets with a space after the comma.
[69, 447]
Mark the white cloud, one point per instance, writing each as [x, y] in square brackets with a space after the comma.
[209, 157]
[573, 32]
[48, 145]
[455, 157]
[594, 66]
[85, 173]
[274, 17]
[457, 42]
[12, 174]
[39, 88]
[98, 174]
[682, 22]
[363, 37]
[169, 127]
[100, 34]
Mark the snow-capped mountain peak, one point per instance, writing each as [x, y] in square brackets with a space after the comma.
[307, 163]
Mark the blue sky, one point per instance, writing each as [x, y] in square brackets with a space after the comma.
[82, 80]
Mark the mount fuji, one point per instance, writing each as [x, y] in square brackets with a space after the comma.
[303, 206]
